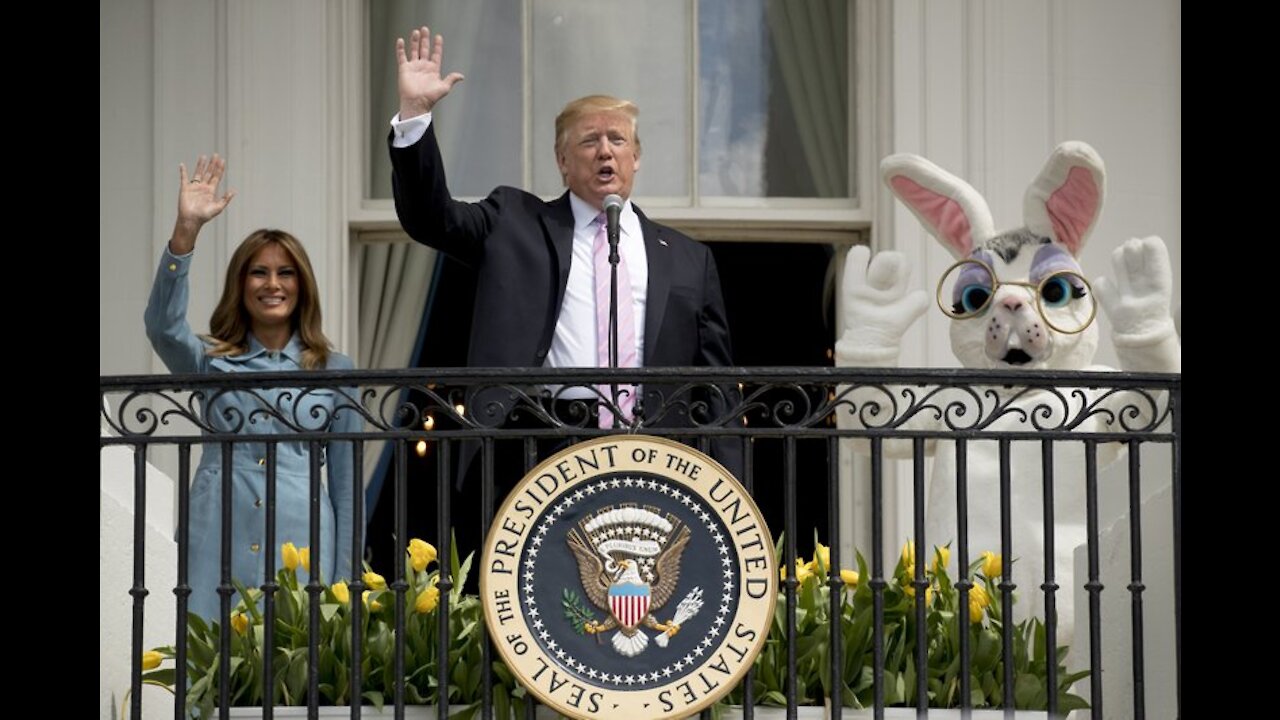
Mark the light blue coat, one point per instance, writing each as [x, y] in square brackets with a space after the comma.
[183, 352]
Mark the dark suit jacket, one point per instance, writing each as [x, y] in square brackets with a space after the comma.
[521, 247]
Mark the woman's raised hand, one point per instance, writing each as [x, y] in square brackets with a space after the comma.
[198, 201]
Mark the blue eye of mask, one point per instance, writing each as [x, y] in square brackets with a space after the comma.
[972, 299]
[1058, 290]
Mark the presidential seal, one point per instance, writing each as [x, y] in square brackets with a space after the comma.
[629, 576]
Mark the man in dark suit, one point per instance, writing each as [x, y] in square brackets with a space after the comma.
[539, 276]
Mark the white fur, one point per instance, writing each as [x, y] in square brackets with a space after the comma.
[880, 306]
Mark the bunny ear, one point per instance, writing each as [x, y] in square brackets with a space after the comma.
[949, 208]
[1065, 200]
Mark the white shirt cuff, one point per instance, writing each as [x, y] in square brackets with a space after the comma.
[408, 132]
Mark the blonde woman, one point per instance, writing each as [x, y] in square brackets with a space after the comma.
[268, 320]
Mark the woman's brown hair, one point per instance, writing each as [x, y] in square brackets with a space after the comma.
[229, 325]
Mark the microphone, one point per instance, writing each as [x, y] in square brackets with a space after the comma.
[612, 209]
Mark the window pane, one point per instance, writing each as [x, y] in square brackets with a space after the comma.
[480, 124]
[638, 51]
[773, 98]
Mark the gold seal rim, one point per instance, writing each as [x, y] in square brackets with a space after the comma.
[768, 602]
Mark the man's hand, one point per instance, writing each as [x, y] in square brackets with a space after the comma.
[418, 73]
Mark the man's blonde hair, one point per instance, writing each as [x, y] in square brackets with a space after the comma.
[590, 105]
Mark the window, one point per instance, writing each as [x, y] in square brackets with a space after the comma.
[743, 103]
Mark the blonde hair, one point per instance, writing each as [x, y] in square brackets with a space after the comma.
[590, 105]
[229, 325]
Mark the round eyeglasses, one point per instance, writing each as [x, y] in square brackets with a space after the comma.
[1064, 299]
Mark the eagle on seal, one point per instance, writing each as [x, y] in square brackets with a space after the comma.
[629, 564]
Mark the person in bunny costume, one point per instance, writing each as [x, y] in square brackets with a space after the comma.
[1018, 300]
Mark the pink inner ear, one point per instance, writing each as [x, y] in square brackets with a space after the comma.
[1072, 207]
[949, 222]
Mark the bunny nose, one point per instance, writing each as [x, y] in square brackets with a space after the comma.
[1012, 303]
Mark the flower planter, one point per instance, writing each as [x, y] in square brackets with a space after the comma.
[813, 712]
[343, 712]
[901, 713]
[769, 712]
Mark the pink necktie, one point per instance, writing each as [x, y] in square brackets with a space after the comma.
[626, 324]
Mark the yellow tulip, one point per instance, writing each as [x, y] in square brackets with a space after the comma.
[909, 553]
[374, 581]
[374, 605]
[850, 578]
[151, 660]
[290, 554]
[421, 554]
[341, 592]
[975, 611]
[941, 556]
[978, 600]
[427, 600]
[804, 571]
[822, 557]
[304, 558]
[979, 593]
[239, 623]
[992, 564]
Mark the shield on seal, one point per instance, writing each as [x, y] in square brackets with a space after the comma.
[629, 602]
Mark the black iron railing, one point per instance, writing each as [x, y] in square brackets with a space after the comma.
[731, 412]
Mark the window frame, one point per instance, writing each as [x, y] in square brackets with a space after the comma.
[848, 214]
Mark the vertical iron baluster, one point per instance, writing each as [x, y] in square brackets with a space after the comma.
[314, 587]
[139, 589]
[486, 518]
[877, 576]
[788, 561]
[530, 453]
[1175, 407]
[1006, 584]
[225, 589]
[1094, 586]
[530, 460]
[183, 590]
[963, 584]
[1050, 585]
[836, 652]
[443, 540]
[748, 687]
[269, 585]
[921, 585]
[400, 586]
[1135, 585]
[355, 682]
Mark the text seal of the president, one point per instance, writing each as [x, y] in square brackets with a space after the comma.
[629, 576]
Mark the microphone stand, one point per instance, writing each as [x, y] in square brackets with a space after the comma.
[613, 311]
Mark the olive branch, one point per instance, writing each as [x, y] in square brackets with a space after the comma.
[576, 611]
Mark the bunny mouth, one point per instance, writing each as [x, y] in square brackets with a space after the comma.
[1016, 357]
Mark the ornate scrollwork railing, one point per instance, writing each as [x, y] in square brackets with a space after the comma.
[481, 401]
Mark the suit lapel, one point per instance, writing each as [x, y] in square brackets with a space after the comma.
[659, 257]
[557, 222]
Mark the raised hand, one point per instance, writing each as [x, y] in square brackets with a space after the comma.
[198, 201]
[878, 305]
[418, 73]
[1137, 301]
